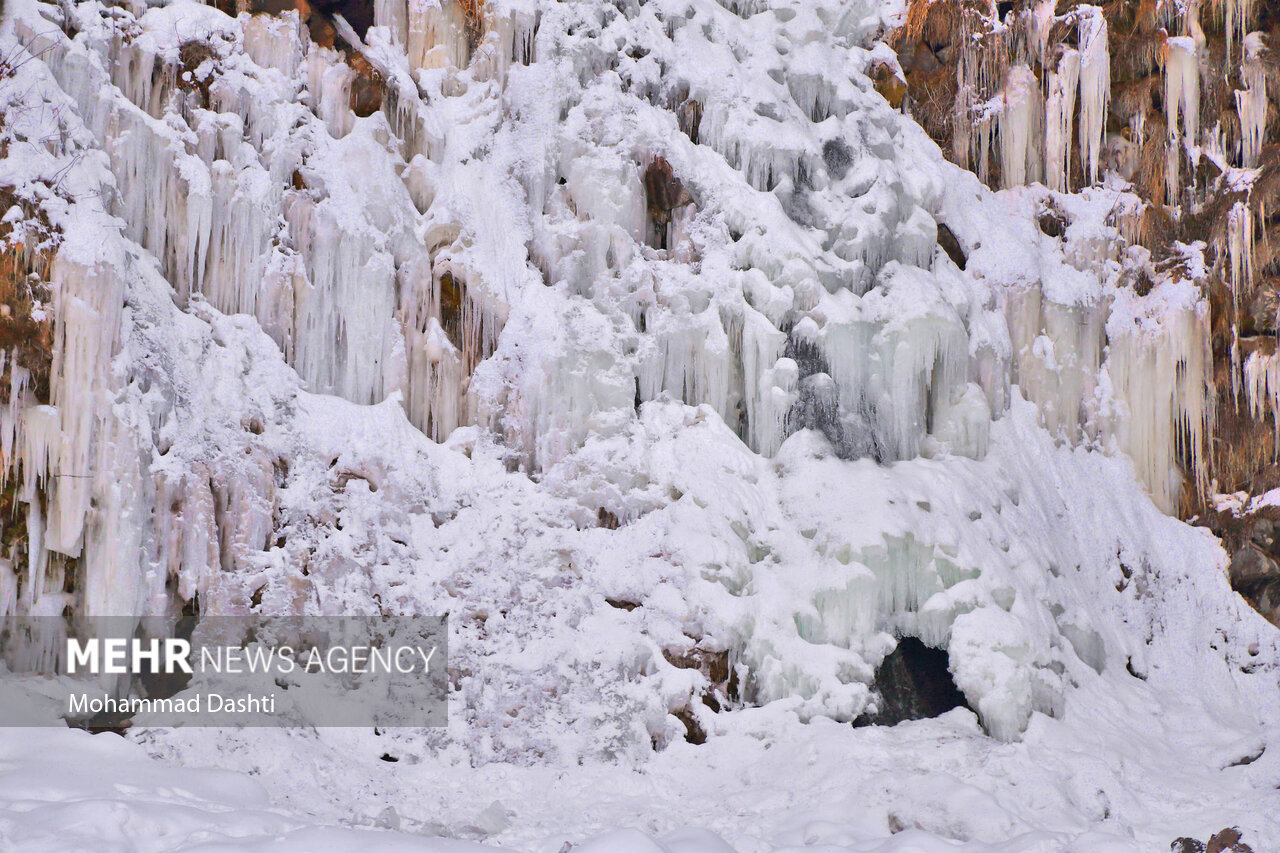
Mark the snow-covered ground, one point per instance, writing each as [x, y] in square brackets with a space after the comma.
[440, 357]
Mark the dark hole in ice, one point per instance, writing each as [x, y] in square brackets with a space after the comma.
[163, 685]
[913, 683]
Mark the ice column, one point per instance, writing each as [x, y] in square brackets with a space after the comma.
[1020, 127]
[1095, 86]
[1251, 102]
[1059, 114]
[1181, 97]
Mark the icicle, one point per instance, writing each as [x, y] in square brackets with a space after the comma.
[1239, 14]
[1163, 373]
[1262, 388]
[1059, 115]
[42, 447]
[768, 393]
[1041, 23]
[964, 423]
[1095, 86]
[394, 15]
[331, 79]
[88, 305]
[1181, 97]
[437, 35]
[1240, 250]
[344, 316]
[240, 238]
[693, 362]
[13, 418]
[1057, 350]
[275, 42]
[1251, 102]
[1020, 127]
[116, 577]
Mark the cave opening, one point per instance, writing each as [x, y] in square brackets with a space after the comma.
[913, 683]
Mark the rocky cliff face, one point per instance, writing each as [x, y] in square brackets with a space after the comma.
[1179, 100]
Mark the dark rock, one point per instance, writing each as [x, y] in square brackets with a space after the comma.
[278, 7]
[694, 733]
[1227, 841]
[689, 116]
[357, 13]
[838, 157]
[1251, 567]
[947, 240]
[1052, 223]
[889, 84]
[914, 683]
[367, 89]
[1186, 845]
[663, 190]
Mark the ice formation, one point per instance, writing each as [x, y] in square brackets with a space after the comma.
[1251, 101]
[612, 320]
[1035, 111]
[377, 289]
[1181, 101]
[1060, 109]
[1095, 86]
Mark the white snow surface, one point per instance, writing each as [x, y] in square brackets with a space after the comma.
[817, 435]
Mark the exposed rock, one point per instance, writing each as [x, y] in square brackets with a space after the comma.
[694, 733]
[357, 13]
[1251, 538]
[664, 193]
[914, 683]
[889, 83]
[367, 89]
[949, 244]
[1250, 566]
[1052, 222]
[1227, 841]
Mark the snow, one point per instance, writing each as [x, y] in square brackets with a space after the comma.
[423, 357]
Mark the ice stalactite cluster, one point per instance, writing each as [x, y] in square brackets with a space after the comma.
[1020, 123]
[1060, 110]
[1182, 107]
[1095, 86]
[1013, 80]
[1030, 80]
[1251, 101]
[1262, 385]
[530, 311]
[1162, 369]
